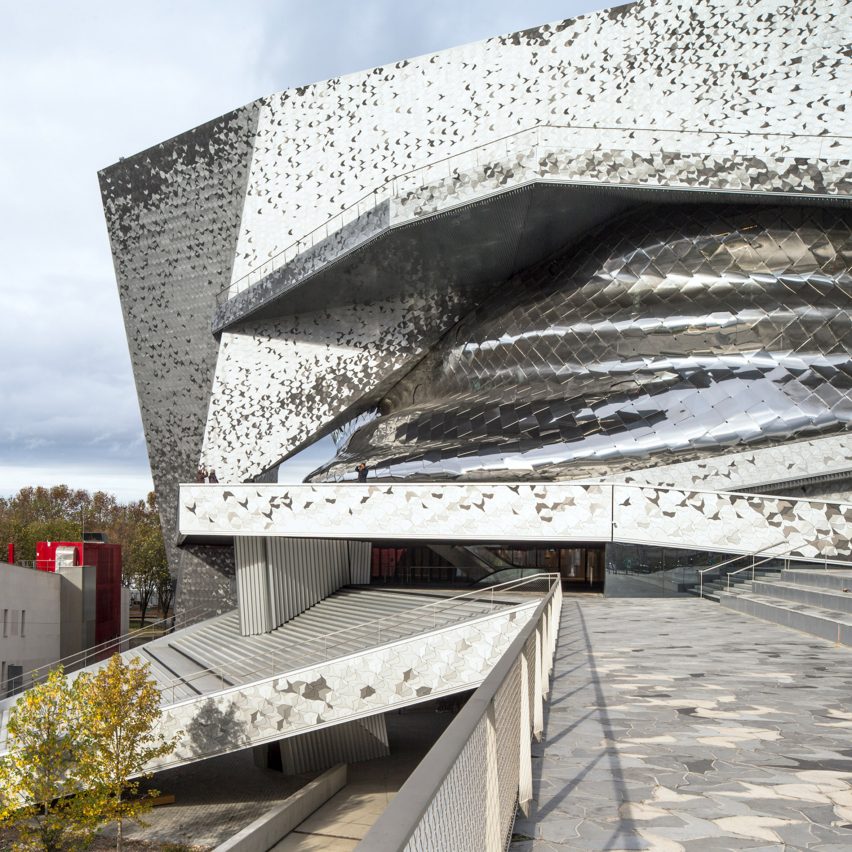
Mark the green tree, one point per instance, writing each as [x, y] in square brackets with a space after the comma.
[165, 590]
[119, 712]
[42, 767]
[145, 561]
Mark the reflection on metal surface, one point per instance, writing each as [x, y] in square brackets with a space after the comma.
[669, 334]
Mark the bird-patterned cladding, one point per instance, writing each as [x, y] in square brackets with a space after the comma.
[668, 334]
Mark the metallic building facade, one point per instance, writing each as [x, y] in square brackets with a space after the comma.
[668, 333]
[613, 248]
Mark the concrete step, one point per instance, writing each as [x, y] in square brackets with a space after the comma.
[809, 595]
[363, 617]
[709, 594]
[744, 581]
[186, 668]
[821, 578]
[825, 623]
[716, 583]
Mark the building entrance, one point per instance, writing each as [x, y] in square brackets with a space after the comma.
[579, 566]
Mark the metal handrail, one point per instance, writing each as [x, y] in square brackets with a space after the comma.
[95, 650]
[755, 564]
[269, 668]
[310, 237]
[720, 565]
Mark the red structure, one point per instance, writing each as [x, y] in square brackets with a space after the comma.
[105, 559]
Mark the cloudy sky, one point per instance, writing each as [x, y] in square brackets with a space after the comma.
[82, 84]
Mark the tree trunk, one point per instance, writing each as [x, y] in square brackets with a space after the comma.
[120, 838]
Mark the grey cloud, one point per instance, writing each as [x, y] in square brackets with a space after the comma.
[86, 84]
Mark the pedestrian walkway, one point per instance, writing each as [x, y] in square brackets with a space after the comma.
[678, 725]
[343, 820]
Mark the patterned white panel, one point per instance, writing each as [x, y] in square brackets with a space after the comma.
[705, 520]
[444, 662]
[732, 471]
[738, 523]
[453, 512]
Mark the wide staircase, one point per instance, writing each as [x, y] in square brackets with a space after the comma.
[718, 583]
[213, 655]
[728, 576]
[814, 600]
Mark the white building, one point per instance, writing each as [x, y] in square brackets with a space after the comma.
[49, 617]
[31, 612]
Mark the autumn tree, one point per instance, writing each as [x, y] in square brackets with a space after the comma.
[119, 712]
[60, 513]
[42, 767]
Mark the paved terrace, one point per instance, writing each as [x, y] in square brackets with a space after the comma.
[678, 725]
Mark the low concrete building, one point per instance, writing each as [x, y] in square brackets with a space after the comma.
[49, 616]
[31, 635]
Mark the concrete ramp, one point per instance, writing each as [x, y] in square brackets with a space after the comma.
[358, 653]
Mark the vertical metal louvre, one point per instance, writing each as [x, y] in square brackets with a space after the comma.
[359, 562]
[250, 560]
[351, 742]
[277, 578]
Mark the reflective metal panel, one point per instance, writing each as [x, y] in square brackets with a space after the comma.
[668, 334]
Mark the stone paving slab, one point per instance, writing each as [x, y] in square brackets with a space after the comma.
[679, 725]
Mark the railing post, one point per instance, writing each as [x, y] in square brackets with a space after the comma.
[525, 746]
[552, 629]
[538, 691]
[493, 827]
